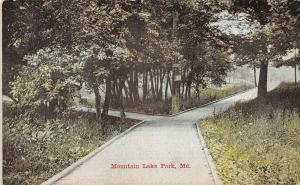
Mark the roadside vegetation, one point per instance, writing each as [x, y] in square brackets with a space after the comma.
[258, 143]
[206, 95]
[212, 94]
[36, 149]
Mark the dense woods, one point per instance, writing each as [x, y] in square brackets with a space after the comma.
[134, 52]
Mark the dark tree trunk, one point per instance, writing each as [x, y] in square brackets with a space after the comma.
[295, 74]
[97, 102]
[157, 83]
[173, 86]
[107, 96]
[135, 88]
[127, 96]
[184, 83]
[255, 79]
[145, 85]
[170, 82]
[263, 80]
[162, 77]
[187, 90]
[189, 93]
[130, 88]
[198, 92]
[189, 84]
[167, 85]
[152, 85]
[122, 111]
[114, 99]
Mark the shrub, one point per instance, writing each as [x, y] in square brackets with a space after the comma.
[49, 80]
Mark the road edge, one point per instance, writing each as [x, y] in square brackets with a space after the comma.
[216, 177]
[212, 102]
[73, 166]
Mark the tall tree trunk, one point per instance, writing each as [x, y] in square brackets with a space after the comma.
[263, 80]
[114, 99]
[187, 89]
[295, 74]
[175, 85]
[145, 85]
[97, 102]
[198, 91]
[122, 111]
[184, 82]
[107, 95]
[190, 92]
[255, 79]
[162, 77]
[152, 85]
[127, 94]
[182, 90]
[189, 84]
[170, 82]
[136, 94]
[157, 76]
[167, 85]
[130, 83]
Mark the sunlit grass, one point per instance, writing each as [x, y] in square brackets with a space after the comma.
[256, 143]
[211, 94]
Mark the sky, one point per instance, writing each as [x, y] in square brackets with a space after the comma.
[236, 24]
[241, 25]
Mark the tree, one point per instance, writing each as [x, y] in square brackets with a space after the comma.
[274, 16]
[21, 36]
[48, 81]
[292, 60]
[121, 42]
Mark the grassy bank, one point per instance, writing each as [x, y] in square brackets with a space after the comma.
[213, 94]
[206, 96]
[258, 143]
[35, 149]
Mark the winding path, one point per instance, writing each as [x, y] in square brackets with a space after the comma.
[158, 141]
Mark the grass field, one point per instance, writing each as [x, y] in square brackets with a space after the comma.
[258, 143]
[35, 149]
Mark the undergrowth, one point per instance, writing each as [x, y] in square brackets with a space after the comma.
[35, 149]
[258, 143]
[162, 107]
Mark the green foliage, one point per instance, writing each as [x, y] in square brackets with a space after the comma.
[225, 91]
[212, 94]
[51, 75]
[206, 96]
[255, 143]
[35, 150]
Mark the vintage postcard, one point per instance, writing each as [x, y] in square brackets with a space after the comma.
[150, 92]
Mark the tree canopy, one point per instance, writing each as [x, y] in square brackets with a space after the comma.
[118, 43]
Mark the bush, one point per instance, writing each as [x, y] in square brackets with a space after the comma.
[48, 81]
